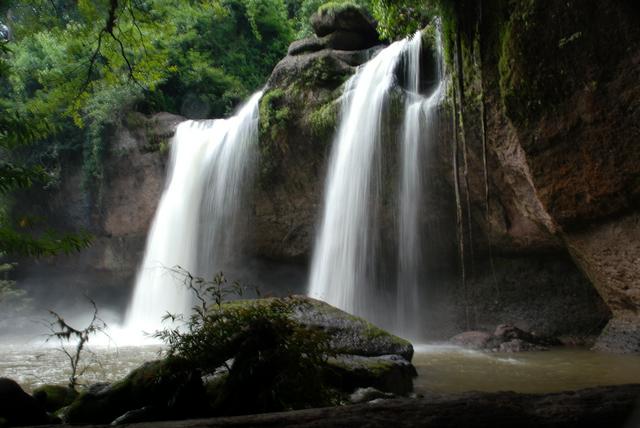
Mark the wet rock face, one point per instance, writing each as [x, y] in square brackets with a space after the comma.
[561, 108]
[134, 175]
[583, 153]
[299, 116]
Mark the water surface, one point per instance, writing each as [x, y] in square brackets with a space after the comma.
[446, 368]
[441, 368]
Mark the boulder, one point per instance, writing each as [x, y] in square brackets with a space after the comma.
[308, 45]
[505, 338]
[18, 408]
[472, 339]
[360, 355]
[168, 384]
[343, 17]
[363, 355]
[346, 40]
[323, 68]
[387, 373]
[54, 397]
[519, 345]
[349, 334]
[342, 40]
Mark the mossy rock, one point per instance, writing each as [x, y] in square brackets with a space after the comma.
[388, 373]
[54, 397]
[347, 333]
[169, 384]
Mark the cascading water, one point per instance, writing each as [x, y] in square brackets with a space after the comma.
[198, 223]
[345, 267]
[341, 271]
[419, 134]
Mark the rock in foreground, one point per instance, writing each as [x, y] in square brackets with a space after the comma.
[255, 356]
[17, 408]
[611, 407]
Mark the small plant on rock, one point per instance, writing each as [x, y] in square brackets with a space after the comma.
[269, 361]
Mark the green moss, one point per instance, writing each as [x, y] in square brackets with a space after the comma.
[374, 367]
[54, 397]
[323, 121]
[515, 86]
[543, 53]
[154, 382]
[323, 73]
[333, 7]
[275, 114]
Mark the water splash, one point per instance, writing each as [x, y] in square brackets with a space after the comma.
[199, 222]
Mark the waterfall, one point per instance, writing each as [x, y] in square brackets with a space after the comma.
[419, 133]
[199, 221]
[341, 272]
[348, 253]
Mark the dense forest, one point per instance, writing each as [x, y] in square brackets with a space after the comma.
[71, 70]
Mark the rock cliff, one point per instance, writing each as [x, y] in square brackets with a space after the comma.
[559, 104]
[550, 88]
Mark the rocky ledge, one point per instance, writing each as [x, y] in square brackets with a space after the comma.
[611, 406]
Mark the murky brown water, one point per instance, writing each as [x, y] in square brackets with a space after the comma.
[444, 368]
[441, 368]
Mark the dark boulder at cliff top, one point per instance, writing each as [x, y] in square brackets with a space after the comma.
[343, 17]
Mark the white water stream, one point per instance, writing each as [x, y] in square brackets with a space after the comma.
[341, 270]
[348, 253]
[420, 131]
[198, 223]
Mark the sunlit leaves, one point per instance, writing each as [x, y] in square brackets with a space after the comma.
[401, 18]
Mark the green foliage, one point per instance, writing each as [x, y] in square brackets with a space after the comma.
[338, 6]
[48, 243]
[400, 18]
[17, 131]
[82, 66]
[323, 121]
[277, 362]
